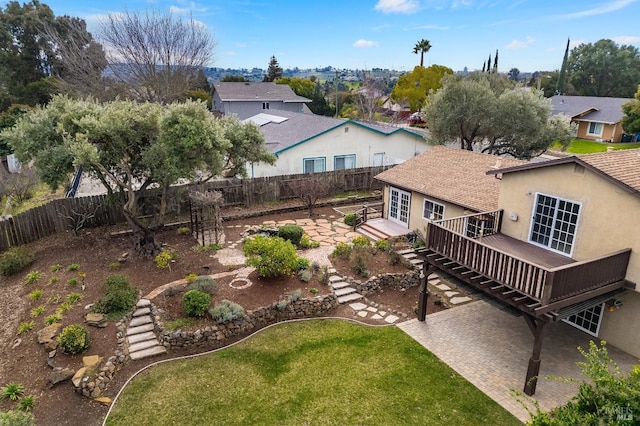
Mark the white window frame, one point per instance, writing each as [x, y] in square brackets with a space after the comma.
[403, 199]
[378, 159]
[321, 160]
[574, 319]
[596, 125]
[434, 214]
[344, 157]
[554, 224]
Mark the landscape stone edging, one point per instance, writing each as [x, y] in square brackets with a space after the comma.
[217, 334]
[398, 281]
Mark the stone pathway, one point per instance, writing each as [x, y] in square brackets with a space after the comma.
[373, 312]
[342, 289]
[141, 340]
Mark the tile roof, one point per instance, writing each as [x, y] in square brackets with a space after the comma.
[453, 175]
[622, 167]
[284, 129]
[239, 92]
[599, 109]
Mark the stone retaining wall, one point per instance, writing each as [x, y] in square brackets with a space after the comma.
[400, 281]
[217, 334]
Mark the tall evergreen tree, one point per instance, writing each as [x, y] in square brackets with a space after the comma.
[489, 63]
[495, 63]
[563, 71]
[274, 71]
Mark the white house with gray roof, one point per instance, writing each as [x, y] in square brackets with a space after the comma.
[598, 118]
[246, 99]
[306, 143]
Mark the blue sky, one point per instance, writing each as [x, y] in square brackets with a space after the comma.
[530, 35]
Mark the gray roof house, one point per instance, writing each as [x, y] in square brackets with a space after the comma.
[598, 118]
[246, 99]
[307, 143]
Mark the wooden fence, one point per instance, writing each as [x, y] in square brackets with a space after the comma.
[59, 215]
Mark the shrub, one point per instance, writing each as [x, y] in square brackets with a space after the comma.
[291, 233]
[73, 267]
[53, 318]
[26, 403]
[361, 241]
[307, 243]
[119, 297]
[73, 281]
[359, 266]
[204, 283]
[282, 305]
[313, 290]
[295, 295]
[53, 280]
[226, 311]
[26, 327]
[55, 268]
[195, 303]
[64, 307]
[164, 259]
[302, 263]
[32, 277]
[190, 277]
[16, 418]
[324, 275]
[37, 311]
[184, 230]
[73, 297]
[418, 244]
[343, 251]
[12, 391]
[271, 256]
[395, 258]
[350, 218]
[315, 266]
[74, 339]
[305, 275]
[54, 298]
[383, 245]
[15, 260]
[206, 247]
[114, 266]
[35, 294]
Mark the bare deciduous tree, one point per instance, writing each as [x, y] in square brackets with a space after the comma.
[78, 216]
[368, 97]
[309, 191]
[157, 56]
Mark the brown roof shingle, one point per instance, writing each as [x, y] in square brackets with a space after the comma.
[453, 175]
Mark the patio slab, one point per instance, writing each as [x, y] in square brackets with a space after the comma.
[491, 348]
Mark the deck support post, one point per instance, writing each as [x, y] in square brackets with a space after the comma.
[423, 292]
[537, 328]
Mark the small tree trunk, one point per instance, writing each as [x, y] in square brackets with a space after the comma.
[144, 239]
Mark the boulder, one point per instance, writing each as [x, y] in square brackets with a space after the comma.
[49, 333]
[95, 320]
[78, 376]
[51, 345]
[91, 362]
[103, 400]
[60, 374]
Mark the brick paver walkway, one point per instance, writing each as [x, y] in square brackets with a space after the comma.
[491, 349]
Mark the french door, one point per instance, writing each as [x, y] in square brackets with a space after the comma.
[399, 204]
[554, 223]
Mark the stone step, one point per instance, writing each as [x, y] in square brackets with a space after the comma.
[368, 233]
[340, 284]
[139, 329]
[332, 271]
[141, 311]
[345, 290]
[349, 297]
[409, 255]
[416, 262]
[140, 321]
[335, 278]
[156, 350]
[143, 303]
[406, 251]
[136, 338]
[136, 347]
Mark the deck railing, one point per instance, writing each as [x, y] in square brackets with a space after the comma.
[454, 239]
[368, 211]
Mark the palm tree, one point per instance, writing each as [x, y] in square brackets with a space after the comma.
[422, 47]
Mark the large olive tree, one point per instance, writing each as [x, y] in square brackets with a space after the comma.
[130, 146]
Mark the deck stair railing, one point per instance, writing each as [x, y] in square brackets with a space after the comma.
[366, 212]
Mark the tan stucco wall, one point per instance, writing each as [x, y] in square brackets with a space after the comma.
[610, 133]
[609, 221]
[357, 140]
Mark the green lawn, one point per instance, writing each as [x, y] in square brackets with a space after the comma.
[327, 372]
[582, 146]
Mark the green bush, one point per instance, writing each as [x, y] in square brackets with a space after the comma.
[307, 243]
[343, 251]
[226, 311]
[119, 297]
[350, 219]
[16, 418]
[26, 403]
[15, 260]
[12, 391]
[74, 339]
[195, 303]
[291, 233]
[305, 275]
[271, 256]
[361, 241]
[302, 263]
[383, 245]
[203, 283]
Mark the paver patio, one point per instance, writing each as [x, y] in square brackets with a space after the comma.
[491, 348]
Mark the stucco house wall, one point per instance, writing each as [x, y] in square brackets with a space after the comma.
[610, 132]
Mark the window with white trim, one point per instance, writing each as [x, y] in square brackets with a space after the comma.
[554, 223]
[588, 320]
[595, 128]
[378, 159]
[432, 210]
[315, 165]
[342, 162]
[265, 105]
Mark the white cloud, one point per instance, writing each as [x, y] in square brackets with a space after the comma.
[397, 6]
[607, 7]
[626, 39]
[520, 44]
[365, 43]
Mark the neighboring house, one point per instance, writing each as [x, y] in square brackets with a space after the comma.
[248, 99]
[439, 184]
[598, 118]
[561, 241]
[391, 105]
[307, 143]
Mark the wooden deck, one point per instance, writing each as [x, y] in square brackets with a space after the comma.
[534, 254]
[387, 227]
